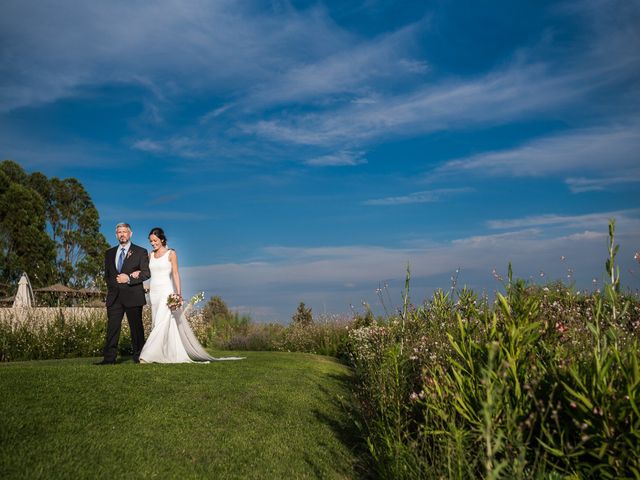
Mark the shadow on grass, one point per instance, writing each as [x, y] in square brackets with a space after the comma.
[345, 427]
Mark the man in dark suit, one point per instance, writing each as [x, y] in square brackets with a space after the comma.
[125, 294]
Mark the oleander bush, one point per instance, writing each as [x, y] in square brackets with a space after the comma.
[542, 382]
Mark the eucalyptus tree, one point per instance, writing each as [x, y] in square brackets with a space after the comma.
[24, 243]
[66, 215]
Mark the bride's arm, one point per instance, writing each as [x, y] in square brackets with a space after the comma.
[173, 258]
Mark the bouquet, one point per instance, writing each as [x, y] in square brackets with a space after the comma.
[174, 301]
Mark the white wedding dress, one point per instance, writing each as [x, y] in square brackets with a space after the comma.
[171, 339]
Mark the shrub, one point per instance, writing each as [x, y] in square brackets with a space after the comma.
[303, 316]
[543, 382]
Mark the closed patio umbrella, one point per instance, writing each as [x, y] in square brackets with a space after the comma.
[24, 295]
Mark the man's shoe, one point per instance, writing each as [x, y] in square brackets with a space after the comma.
[106, 362]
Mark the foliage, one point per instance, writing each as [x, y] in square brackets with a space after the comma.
[56, 225]
[75, 228]
[542, 383]
[302, 316]
[24, 246]
[327, 335]
[51, 333]
[216, 308]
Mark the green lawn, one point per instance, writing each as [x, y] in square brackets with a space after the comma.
[273, 415]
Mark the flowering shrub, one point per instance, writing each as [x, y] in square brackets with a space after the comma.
[542, 382]
[48, 333]
[324, 335]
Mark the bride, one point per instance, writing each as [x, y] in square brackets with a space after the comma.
[171, 339]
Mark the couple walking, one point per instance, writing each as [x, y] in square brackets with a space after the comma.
[127, 266]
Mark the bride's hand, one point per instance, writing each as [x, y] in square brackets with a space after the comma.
[135, 274]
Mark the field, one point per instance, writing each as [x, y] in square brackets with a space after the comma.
[272, 415]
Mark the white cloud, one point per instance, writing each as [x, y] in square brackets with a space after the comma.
[581, 184]
[588, 150]
[339, 159]
[494, 98]
[338, 276]
[353, 70]
[52, 48]
[628, 218]
[426, 196]
[147, 145]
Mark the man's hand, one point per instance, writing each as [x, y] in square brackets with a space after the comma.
[122, 278]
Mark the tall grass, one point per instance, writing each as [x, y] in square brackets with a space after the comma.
[542, 381]
[50, 333]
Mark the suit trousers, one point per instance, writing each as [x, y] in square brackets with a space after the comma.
[115, 313]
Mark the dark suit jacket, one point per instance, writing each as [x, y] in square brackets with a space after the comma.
[131, 294]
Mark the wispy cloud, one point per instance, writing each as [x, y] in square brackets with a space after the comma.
[292, 274]
[500, 96]
[147, 145]
[629, 218]
[426, 196]
[52, 48]
[588, 150]
[353, 70]
[581, 184]
[339, 159]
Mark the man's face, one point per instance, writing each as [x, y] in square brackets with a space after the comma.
[123, 234]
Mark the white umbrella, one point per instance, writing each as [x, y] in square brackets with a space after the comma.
[24, 295]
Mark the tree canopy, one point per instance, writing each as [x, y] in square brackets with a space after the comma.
[49, 228]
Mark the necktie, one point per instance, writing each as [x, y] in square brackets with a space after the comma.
[120, 260]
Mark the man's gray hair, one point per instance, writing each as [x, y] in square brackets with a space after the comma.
[124, 225]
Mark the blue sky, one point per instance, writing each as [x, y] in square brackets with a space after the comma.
[307, 151]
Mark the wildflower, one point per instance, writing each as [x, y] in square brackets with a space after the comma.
[495, 274]
[413, 397]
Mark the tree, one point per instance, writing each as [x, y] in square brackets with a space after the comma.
[70, 219]
[216, 310]
[75, 227]
[14, 172]
[302, 316]
[25, 245]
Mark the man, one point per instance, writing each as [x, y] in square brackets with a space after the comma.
[125, 294]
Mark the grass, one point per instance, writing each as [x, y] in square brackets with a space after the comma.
[272, 415]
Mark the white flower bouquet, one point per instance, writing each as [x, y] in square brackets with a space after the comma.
[174, 301]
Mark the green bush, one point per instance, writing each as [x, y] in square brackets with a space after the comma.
[542, 383]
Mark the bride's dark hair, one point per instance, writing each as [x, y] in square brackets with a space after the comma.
[158, 232]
